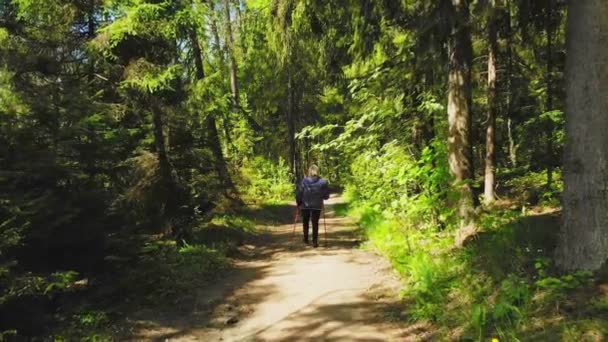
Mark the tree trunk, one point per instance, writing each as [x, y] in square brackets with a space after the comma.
[583, 242]
[198, 55]
[92, 27]
[165, 171]
[216, 147]
[429, 130]
[239, 17]
[490, 159]
[512, 146]
[221, 62]
[210, 123]
[234, 81]
[549, 84]
[159, 144]
[459, 115]
[291, 128]
[216, 39]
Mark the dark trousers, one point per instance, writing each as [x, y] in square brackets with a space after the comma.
[307, 215]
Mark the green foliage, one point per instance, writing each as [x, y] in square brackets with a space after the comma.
[164, 271]
[409, 190]
[560, 286]
[91, 91]
[92, 319]
[428, 284]
[33, 285]
[491, 279]
[61, 281]
[265, 181]
[148, 78]
[89, 326]
[341, 209]
[140, 18]
[585, 330]
[531, 188]
[234, 221]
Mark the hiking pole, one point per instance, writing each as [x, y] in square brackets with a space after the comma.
[295, 223]
[325, 225]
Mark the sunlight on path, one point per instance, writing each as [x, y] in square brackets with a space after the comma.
[298, 293]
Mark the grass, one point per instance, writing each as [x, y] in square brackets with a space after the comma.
[151, 274]
[341, 209]
[499, 285]
[163, 276]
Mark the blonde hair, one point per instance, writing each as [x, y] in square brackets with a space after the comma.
[313, 170]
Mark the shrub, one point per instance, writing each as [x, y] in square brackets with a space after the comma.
[413, 191]
[265, 181]
[531, 188]
[163, 271]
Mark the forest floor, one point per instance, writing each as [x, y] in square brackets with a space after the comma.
[283, 290]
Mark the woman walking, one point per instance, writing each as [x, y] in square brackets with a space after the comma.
[309, 197]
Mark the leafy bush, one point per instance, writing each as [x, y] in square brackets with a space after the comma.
[428, 284]
[491, 287]
[559, 286]
[168, 270]
[531, 188]
[160, 271]
[413, 191]
[265, 181]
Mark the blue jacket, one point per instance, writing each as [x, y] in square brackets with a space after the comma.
[311, 193]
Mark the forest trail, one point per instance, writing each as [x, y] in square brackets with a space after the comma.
[283, 290]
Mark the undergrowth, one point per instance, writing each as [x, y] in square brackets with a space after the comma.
[148, 272]
[501, 284]
[162, 274]
[264, 181]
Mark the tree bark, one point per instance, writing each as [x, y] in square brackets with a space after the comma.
[583, 242]
[233, 68]
[234, 81]
[509, 70]
[291, 127]
[197, 54]
[216, 38]
[210, 123]
[490, 158]
[168, 184]
[92, 27]
[459, 115]
[239, 17]
[161, 148]
[549, 85]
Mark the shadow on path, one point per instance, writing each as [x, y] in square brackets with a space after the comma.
[283, 290]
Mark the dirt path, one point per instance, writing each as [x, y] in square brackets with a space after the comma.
[287, 291]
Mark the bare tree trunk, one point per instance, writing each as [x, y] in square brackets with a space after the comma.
[429, 130]
[512, 146]
[291, 128]
[159, 144]
[92, 27]
[583, 242]
[490, 158]
[165, 171]
[214, 138]
[222, 61]
[549, 84]
[198, 55]
[216, 38]
[239, 17]
[216, 147]
[459, 115]
[234, 81]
